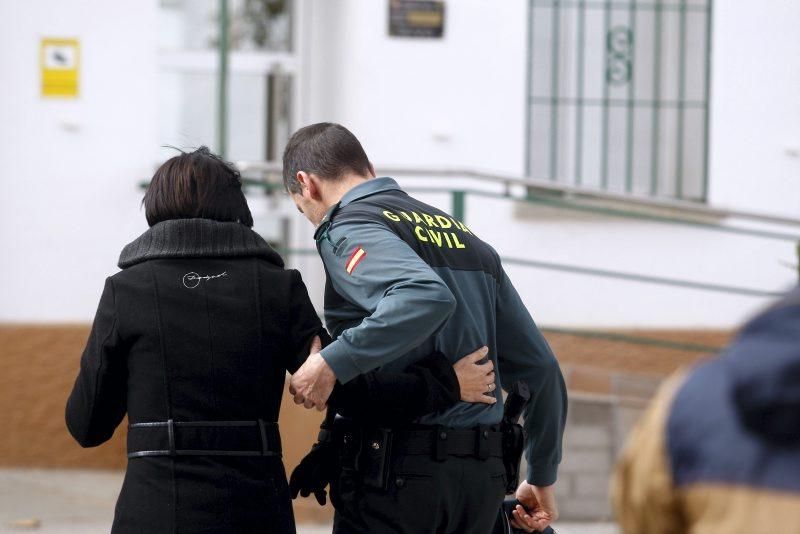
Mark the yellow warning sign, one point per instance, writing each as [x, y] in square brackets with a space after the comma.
[60, 64]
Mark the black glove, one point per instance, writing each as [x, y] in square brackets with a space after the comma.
[315, 471]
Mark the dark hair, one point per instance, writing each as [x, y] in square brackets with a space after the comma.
[326, 149]
[196, 184]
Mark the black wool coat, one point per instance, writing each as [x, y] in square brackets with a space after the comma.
[201, 324]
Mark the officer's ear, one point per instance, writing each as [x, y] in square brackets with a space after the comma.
[307, 186]
[311, 184]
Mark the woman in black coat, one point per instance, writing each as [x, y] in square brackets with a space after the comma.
[192, 339]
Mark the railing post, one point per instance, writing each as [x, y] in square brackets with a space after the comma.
[458, 205]
[798, 260]
[222, 81]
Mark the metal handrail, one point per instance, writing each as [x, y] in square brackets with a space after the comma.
[563, 204]
[608, 273]
[272, 180]
[273, 170]
[643, 278]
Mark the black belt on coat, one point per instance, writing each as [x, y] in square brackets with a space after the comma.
[204, 438]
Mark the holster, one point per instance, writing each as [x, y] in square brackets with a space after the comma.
[513, 434]
[374, 457]
[513, 445]
[366, 450]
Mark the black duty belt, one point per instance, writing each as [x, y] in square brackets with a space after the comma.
[481, 442]
[436, 441]
[204, 438]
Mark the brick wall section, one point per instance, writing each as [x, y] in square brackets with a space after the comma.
[617, 356]
[595, 434]
[38, 365]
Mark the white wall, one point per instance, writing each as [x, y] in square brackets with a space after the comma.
[755, 112]
[69, 168]
[451, 101]
[459, 101]
[623, 245]
[522, 231]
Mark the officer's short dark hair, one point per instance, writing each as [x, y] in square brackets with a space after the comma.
[196, 184]
[326, 149]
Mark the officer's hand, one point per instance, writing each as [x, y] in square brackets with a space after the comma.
[538, 510]
[476, 380]
[313, 383]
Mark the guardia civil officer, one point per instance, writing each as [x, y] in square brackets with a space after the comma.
[403, 279]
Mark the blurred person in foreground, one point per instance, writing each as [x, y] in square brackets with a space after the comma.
[718, 450]
[405, 279]
[192, 339]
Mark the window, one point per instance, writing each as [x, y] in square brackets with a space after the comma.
[618, 95]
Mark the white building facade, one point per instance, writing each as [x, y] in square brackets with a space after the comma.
[463, 103]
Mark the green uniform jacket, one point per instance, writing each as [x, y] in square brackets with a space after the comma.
[405, 279]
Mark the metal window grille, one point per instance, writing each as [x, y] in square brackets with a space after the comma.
[618, 95]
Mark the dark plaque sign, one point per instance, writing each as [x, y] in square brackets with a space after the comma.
[416, 18]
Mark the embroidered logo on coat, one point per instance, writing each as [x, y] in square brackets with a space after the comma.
[354, 259]
[192, 280]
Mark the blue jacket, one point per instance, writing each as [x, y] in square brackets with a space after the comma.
[405, 279]
[719, 449]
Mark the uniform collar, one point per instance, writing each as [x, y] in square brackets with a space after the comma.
[370, 187]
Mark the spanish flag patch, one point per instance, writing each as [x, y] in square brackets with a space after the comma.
[354, 259]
